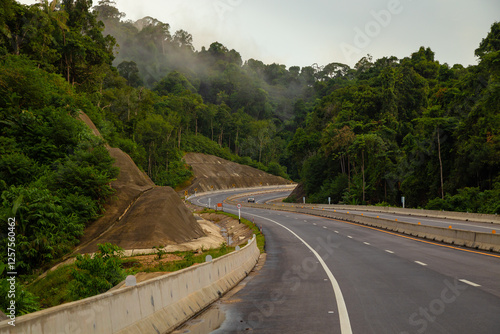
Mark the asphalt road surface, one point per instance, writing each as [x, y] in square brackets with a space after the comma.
[328, 276]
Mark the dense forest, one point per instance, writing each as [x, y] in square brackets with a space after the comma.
[370, 134]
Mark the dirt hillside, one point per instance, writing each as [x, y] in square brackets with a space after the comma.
[214, 173]
[139, 214]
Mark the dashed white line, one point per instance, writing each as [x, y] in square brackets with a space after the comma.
[421, 263]
[389, 251]
[367, 243]
[349, 237]
[469, 282]
[337, 232]
[324, 226]
[315, 224]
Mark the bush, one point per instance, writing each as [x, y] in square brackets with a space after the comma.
[97, 273]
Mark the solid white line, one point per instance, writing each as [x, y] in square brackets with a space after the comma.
[389, 251]
[345, 324]
[367, 243]
[469, 282]
[421, 263]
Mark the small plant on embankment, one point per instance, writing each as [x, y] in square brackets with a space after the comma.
[97, 273]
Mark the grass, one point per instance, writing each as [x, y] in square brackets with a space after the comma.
[52, 289]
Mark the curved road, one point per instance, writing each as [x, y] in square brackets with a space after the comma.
[327, 276]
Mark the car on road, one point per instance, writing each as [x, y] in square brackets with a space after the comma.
[251, 200]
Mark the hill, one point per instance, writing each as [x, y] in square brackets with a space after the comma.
[214, 173]
[139, 214]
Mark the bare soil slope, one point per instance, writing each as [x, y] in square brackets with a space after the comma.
[214, 173]
[138, 215]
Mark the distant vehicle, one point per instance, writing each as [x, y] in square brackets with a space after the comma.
[251, 200]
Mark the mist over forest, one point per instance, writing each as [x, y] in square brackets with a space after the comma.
[369, 134]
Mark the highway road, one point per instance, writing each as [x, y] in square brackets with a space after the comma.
[328, 276]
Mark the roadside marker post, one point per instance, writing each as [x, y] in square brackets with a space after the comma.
[239, 213]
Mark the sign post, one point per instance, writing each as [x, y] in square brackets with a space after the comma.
[403, 201]
[239, 212]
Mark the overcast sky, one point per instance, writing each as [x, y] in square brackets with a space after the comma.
[325, 31]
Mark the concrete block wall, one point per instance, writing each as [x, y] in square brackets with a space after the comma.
[155, 306]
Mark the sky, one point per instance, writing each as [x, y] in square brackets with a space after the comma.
[301, 33]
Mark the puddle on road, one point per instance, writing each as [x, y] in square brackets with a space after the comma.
[204, 323]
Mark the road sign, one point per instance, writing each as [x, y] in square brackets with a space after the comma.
[238, 206]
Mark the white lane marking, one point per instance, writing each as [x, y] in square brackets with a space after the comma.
[331, 312]
[367, 243]
[315, 224]
[469, 282]
[336, 231]
[324, 226]
[349, 237]
[389, 251]
[345, 324]
[421, 263]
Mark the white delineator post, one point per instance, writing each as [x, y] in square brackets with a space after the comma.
[239, 213]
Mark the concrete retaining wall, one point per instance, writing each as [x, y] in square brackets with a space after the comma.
[155, 306]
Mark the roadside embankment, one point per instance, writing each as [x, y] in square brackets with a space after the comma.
[155, 306]
[214, 173]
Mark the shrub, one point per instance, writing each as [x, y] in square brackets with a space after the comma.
[97, 273]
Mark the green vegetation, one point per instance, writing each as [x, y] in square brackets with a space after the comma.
[91, 275]
[52, 290]
[371, 134]
[97, 273]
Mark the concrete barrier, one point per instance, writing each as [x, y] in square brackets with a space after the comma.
[250, 190]
[477, 240]
[155, 306]
[464, 216]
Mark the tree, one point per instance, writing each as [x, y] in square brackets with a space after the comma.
[129, 70]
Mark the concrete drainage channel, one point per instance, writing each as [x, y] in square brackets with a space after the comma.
[155, 306]
[476, 240]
